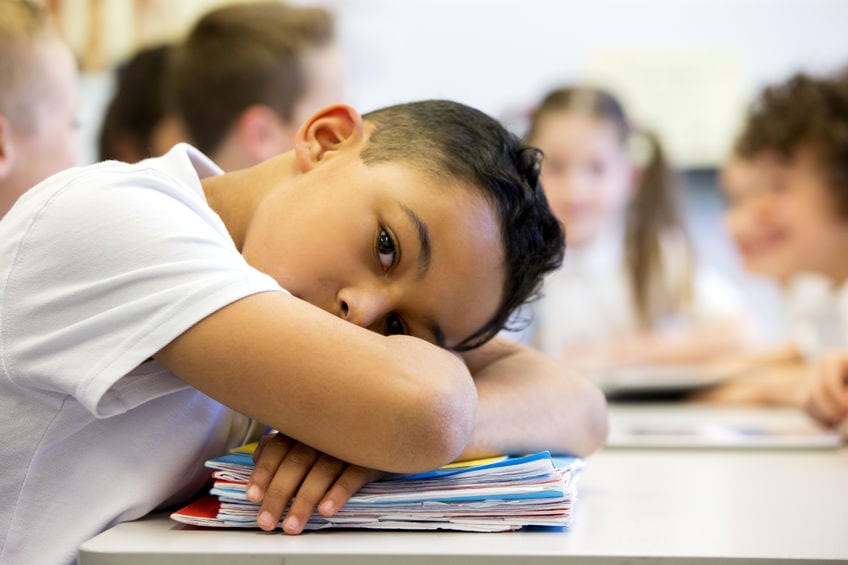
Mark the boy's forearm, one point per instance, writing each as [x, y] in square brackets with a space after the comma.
[528, 402]
[341, 389]
[777, 384]
[774, 376]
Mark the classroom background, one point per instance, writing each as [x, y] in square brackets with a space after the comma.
[686, 68]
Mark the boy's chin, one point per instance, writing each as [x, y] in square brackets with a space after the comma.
[769, 268]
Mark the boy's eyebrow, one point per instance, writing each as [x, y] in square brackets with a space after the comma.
[423, 239]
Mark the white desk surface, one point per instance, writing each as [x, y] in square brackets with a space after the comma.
[657, 505]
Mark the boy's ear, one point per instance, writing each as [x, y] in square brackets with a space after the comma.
[7, 147]
[261, 134]
[327, 132]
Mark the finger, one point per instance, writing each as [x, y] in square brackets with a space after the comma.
[349, 482]
[257, 453]
[287, 479]
[321, 477]
[820, 404]
[835, 379]
[274, 451]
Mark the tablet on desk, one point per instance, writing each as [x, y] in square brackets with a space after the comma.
[723, 436]
[657, 380]
[707, 426]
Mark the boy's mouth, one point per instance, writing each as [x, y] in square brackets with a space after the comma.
[763, 244]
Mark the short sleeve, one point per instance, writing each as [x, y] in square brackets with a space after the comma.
[110, 268]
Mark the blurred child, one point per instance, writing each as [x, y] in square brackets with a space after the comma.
[787, 189]
[248, 75]
[38, 101]
[629, 291]
[136, 125]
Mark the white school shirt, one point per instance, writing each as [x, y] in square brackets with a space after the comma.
[818, 314]
[588, 299]
[100, 267]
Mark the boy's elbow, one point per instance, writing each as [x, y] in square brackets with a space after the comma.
[442, 421]
[597, 420]
[592, 422]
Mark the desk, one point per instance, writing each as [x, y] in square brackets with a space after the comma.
[673, 506]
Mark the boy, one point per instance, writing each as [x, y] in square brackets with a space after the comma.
[128, 293]
[787, 186]
[248, 75]
[135, 125]
[38, 101]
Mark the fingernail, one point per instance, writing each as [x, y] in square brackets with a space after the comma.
[327, 507]
[266, 521]
[254, 493]
[291, 525]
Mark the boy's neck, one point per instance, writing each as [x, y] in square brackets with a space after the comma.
[236, 195]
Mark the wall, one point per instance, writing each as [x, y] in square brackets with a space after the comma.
[684, 67]
[689, 66]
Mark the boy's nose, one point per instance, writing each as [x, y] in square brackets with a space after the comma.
[757, 207]
[577, 186]
[363, 307]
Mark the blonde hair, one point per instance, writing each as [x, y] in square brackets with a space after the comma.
[654, 229]
[24, 26]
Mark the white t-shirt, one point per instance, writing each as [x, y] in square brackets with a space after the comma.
[588, 300]
[100, 267]
[818, 314]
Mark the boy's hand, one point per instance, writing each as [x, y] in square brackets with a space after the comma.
[287, 470]
[827, 396]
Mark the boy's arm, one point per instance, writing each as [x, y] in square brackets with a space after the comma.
[696, 345]
[528, 402]
[776, 376]
[826, 395]
[339, 388]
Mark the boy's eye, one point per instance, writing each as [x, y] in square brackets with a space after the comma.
[394, 325]
[777, 184]
[386, 250]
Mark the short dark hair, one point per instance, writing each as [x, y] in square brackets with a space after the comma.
[450, 140]
[240, 55]
[137, 105]
[803, 112]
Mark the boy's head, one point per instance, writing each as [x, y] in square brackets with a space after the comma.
[424, 218]
[787, 182]
[136, 125]
[248, 75]
[38, 101]
[446, 140]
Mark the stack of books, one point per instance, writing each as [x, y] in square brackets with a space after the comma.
[491, 495]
